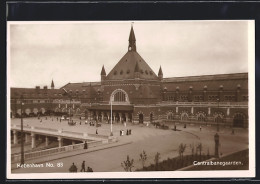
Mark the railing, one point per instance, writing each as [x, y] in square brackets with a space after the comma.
[47, 129]
[99, 136]
[65, 133]
[36, 154]
[72, 133]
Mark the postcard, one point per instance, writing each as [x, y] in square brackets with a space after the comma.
[130, 99]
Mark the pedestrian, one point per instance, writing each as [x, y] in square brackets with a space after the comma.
[83, 167]
[120, 132]
[85, 145]
[73, 168]
[200, 128]
[89, 169]
[127, 132]
[96, 131]
[130, 131]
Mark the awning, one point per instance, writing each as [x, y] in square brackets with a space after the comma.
[114, 107]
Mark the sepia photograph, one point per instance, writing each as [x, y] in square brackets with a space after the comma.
[130, 99]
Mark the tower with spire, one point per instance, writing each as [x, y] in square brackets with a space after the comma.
[52, 84]
[160, 73]
[132, 40]
[103, 73]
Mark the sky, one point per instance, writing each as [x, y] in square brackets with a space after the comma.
[76, 51]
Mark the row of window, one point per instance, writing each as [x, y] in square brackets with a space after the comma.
[33, 101]
[128, 71]
[228, 98]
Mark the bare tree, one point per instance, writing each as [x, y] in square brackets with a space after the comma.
[181, 150]
[199, 148]
[128, 164]
[156, 160]
[192, 149]
[143, 158]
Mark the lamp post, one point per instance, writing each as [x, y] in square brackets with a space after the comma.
[216, 138]
[218, 117]
[70, 109]
[22, 143]
[111, 117]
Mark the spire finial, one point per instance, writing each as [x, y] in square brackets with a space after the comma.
[160, 73]
[103, 71]
[52, 84]
[132, 45]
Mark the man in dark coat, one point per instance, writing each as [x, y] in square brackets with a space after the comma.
[83, 167]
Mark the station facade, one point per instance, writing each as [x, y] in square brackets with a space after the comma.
[137, 94]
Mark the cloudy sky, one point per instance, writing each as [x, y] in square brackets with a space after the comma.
[75, 51]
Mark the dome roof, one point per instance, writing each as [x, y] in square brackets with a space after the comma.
[125, 68]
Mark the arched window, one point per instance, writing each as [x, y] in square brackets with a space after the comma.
[120, 97]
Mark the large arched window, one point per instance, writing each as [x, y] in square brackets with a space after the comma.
[120, 97]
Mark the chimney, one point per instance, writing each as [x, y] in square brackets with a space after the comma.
[37, 87]
[45, 87]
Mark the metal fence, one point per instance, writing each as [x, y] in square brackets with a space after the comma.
[51, 151]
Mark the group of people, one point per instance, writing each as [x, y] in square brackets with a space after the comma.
[73, 168]
[128, 132]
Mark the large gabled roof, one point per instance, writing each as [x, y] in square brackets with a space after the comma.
[125, 68]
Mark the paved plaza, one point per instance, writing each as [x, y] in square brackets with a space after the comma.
[147, 138]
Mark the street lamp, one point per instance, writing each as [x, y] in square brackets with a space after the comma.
[22, 143]
[70, 109]
[218, 117]
[69, 95]
[111, 130]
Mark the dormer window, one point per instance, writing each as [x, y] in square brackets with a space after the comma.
[146, 72]
[115, 72]
[121, 72]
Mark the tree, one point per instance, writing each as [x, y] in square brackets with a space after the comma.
[199, 148]
[181, 150]
[192, 149]
[143, 158]
[128, 164]
[208, 154]
[156, 160]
